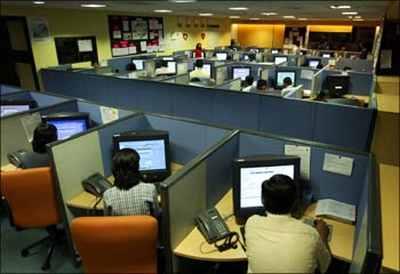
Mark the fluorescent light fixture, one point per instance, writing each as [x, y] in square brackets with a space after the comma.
[93, 5]
[206, 14]
[350, 17]
[254, 18]
[238, 8]
[289, 17]
[269, 13]
[163, 11]
[340, 7]
[182, 1]
[358, 19]
[303, 19]
[234, 17]
[38, 2]
[349, 13]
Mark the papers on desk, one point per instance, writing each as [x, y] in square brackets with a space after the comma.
[304, 153]
[338, 164]
[108, 114]
[336, 210]
[29, 123]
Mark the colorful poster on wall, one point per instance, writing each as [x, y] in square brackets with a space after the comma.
[139, 29]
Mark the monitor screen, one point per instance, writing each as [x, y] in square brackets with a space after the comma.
[10, 109]
[171, 65]
[221, 55]
[274, 51]
[138, 63]
[313, 63]
[338, 85]
[67, 128]
[240, 73]
[207, 67]
[246, 57]
[169, 58]
[281, 75]
[280, 59]
[326, 55]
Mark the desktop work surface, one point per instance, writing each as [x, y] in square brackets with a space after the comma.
[194, 246]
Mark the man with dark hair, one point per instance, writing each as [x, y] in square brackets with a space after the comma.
[262, 85]
[248, 83]
[129, 196]
[279, 243]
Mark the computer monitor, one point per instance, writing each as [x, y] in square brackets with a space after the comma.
[207, 67]
[240, 72]
[68, 123]
[314, 63]
[171, 65]
[326, 55]
[153, 148]
[338, 85]
[248, 175]
[221, 56]
[138, 63]
[8, 107]
[281, 75]
[246, 57]
[280, 59]
[274, 51]
[168, 58]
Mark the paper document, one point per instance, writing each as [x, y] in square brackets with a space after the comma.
[304, 153]
[332, 208]
[108, 114]
[120, 51]
[338, 164]
[307, 74]
[29, 123]
[143, 46]
[85, 45]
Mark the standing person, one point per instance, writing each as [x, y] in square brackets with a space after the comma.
[198, 51]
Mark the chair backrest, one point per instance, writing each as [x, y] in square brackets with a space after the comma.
[31, 196]
[117, 244]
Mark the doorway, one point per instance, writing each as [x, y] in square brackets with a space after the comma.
[18, 68]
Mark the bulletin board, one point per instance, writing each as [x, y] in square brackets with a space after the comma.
[135, 34]
[76, 49]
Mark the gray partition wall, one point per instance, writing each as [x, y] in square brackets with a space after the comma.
[294, 118]
[210, 177]
[6, 89]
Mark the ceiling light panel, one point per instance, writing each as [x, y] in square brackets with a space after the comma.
[238, 8]
[93, 5]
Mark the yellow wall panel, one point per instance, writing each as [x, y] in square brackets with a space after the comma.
[330, 28]
[260, 35]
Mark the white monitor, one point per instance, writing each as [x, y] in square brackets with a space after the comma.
[281, 75]
[280, 59]
[138, 63]
[171, 65]
[207, 67]
[274, 51]
[241, 73]
[313, 63]
[221, 56]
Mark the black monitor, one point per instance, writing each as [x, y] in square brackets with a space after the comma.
[68, 123]
[280, 59]
[281, 75]
[153, 148]
[248, 175]
[8, 107]
[222, 56]
[138, 63]
[338, 85]
[314, 63]
[241, 72]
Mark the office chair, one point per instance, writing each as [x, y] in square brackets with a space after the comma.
[31, 199]
[117, 244]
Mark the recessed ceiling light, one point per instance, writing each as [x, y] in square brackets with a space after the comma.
[206, 14]
[38, 2]
[254, 18]
[340, 7]
[238, 8]
[350, 17]
[163, 11]
[358, 19]
[93, 5]
[349, 13]
[289, 17]
[234, 17]
[182, 1]
[303, 19]
[269, 13]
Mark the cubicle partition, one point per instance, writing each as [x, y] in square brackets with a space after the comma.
[6, 89]
[209, 178]
[187, 139]
[359, 65]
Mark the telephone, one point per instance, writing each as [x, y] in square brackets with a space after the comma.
[96, 184]
[212, 226]
[17, 158]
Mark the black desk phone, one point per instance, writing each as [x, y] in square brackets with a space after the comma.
[96, 184]
[212, 226]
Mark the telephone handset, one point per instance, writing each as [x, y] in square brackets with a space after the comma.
[212, 226]
[96, 184]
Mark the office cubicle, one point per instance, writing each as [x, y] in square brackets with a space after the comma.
[210, 178]
[187, 139]
[294, 118]
[7, 89]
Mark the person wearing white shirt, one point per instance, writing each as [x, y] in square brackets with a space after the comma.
[287, 86]
[199, 72]
[279, 243]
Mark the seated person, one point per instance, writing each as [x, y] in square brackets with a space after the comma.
[43, 134]
[279, 243]
[199, 72]
[248, 83]
[262, 85]
[129, 196]
[287, 85]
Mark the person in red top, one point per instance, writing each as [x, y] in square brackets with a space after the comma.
[198, 52]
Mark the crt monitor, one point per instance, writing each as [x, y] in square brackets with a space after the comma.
[248, 175]
[153, 148]
[338, 85]
[138, 63]
[8, 107]
[280, 59]
[68, 123]
[221, 56]
[240, 72]
[314, 63]
[281, 75]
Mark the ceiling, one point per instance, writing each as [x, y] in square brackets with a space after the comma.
[310, 9]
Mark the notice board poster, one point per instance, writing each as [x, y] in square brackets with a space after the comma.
[135, 34]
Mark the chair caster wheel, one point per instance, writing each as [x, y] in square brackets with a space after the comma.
[24, 253]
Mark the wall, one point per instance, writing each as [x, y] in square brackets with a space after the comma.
[330, 28]
[261, 35]
[69, 22]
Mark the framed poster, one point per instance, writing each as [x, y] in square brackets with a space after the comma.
[39, 28]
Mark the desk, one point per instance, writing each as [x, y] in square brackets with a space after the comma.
[85, 200]
[194, 246]
[362, 98]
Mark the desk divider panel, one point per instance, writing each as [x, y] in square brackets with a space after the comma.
[45, 100]
[6, 89]
[360, 65]
[19, 95]
[360, 83]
